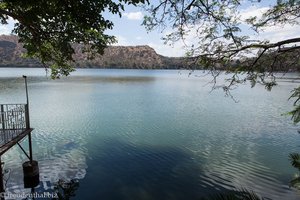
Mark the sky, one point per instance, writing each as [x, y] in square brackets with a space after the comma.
[129, 31]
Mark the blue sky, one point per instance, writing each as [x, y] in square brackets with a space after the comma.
[129, 30]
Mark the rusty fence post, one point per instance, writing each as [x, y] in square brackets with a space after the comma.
[2, 117]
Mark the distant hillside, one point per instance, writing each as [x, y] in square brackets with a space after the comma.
[135, 57]
[10, 53]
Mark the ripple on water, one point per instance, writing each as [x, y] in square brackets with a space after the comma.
[160, 139]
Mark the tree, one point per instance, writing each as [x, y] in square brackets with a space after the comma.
[220, 37]
[48, 28]
[223, 44]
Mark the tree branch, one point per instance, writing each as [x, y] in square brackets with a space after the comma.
[8, 13]
[259, 46]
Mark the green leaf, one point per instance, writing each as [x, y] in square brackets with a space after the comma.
[295, 160]
[48, 28]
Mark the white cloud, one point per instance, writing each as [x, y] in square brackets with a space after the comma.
[271, 33]
[280, 32]
[134, 15]
[166, 50]
[252, 11]
[175, 50]
[6, 29]
[122, 41]
[180, 47]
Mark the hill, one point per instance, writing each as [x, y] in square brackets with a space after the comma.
[131, 57]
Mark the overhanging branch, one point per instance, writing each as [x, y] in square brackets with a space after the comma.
[232, 52]
[8, 13]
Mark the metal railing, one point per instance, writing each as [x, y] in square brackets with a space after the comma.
[14, 117]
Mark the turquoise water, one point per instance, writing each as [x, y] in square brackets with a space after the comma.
[137, 134]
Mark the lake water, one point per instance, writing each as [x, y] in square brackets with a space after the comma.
[137, 134]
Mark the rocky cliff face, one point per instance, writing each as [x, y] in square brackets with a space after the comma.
[11, 53]
[135, 57]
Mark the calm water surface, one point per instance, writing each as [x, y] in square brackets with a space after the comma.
[135, 134]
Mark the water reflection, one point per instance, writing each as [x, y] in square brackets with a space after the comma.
[64, 190]
[145, 135]
[110, 79]
[128, 172]
[65, 161]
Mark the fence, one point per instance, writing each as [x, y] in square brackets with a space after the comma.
[14, 119]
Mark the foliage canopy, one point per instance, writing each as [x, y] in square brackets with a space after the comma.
[47, 28]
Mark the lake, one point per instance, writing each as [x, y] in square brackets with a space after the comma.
[153, 134]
